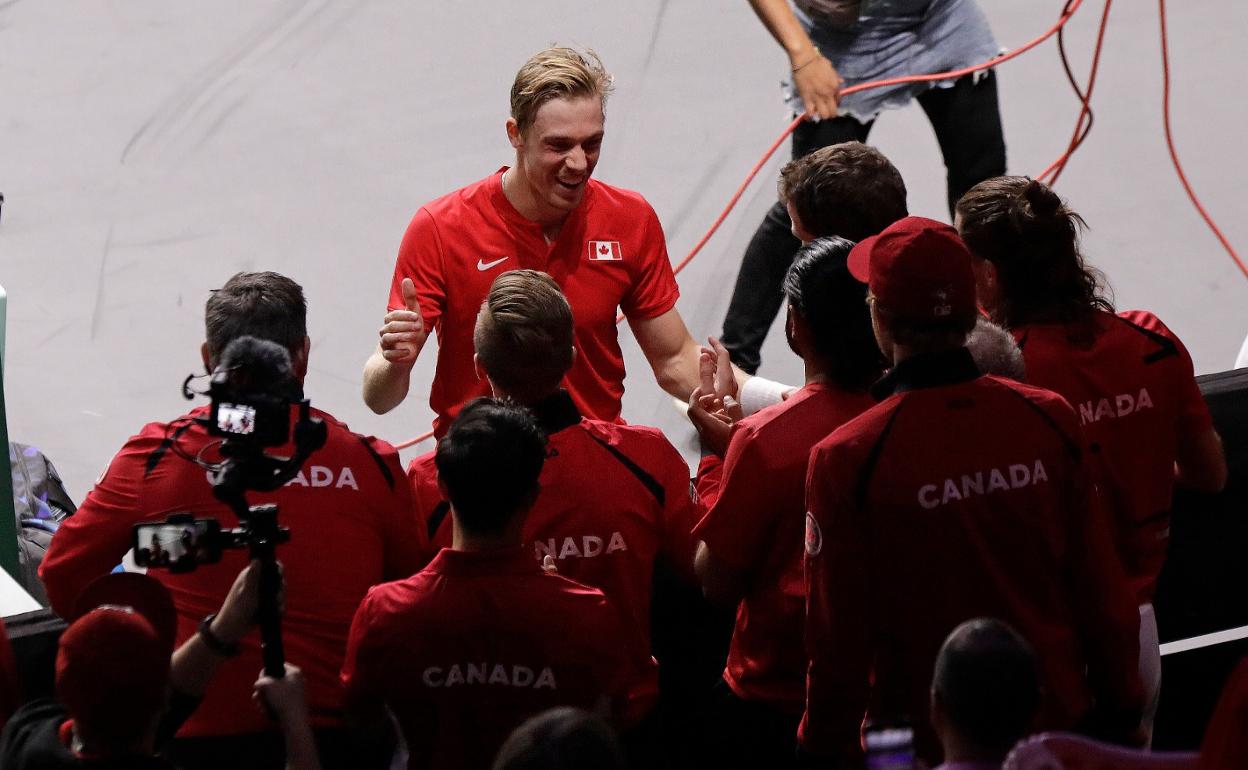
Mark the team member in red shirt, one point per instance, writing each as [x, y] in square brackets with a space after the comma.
[481, 639]
[1128, 376]
[750, 549]
[603, 245]
[959, 495]
[614, 498]
[351, 526]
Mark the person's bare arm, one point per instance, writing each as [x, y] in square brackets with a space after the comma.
[1201, 464]
[671, 351]
[387, 373]
[194, 663]
[814, 77]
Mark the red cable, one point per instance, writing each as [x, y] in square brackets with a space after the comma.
[732, 202]
[1077, 138]
[1174, 155]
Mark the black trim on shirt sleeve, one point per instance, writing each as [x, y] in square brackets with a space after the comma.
[166, 444]
[648, 481]
[381, 464]
[873, 458]
[437, 517]
[1072, 446]
[1165, 346]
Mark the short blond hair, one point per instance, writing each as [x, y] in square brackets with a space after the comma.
[524, 334]
[557, 73]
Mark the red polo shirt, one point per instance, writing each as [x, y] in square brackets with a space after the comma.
[469, 647]
[610, 254]
[1131, 382]
[756, 526]
[613, 497]
[351, 526]
[960, 496]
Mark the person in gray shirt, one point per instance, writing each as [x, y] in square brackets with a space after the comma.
[833, 44]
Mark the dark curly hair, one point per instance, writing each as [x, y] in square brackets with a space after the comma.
[1032, 237]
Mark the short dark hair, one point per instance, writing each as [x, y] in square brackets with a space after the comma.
[1032, 237]
[562, 738]
[265, 305]
[846, 189]
[524, 334]
[988, 683]
[830, 300]
[489, 462]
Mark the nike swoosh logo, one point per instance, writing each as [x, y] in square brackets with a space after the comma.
[482, 265]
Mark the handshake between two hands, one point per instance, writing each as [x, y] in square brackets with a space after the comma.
[714, 406]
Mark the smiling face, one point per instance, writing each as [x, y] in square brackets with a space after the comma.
[556, 155]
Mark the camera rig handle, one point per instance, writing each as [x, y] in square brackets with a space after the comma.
[265, 536]
[247, 467]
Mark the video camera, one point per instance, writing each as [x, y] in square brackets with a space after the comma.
[254, 394]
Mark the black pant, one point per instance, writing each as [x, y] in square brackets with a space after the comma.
[737, 733]
[968, 127]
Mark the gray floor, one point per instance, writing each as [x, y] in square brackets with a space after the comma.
[149, 149]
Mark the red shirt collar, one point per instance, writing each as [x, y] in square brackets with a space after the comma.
[499, 561]
[509, 212]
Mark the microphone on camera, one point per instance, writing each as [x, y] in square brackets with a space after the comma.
[252, 365]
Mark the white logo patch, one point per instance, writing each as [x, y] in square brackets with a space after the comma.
[482, 265]
[814, 536]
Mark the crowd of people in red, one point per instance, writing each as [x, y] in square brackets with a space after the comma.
[945, 539]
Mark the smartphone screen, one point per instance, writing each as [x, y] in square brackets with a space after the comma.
[236, 419]
[180, 546]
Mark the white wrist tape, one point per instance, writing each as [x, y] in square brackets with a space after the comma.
[759, 393]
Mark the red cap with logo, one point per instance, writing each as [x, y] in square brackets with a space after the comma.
[918, 269]
[112, 668]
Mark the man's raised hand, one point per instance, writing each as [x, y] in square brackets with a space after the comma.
[403, 331]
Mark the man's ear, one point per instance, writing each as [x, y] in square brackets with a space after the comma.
[513, 133]
[207, 359]
[300, 363]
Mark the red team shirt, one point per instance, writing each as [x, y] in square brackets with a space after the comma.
[613, 497]
[351, 526]
[469, 647]
[1135, 392]
[756, 526]
[958, 497]
[610, 254]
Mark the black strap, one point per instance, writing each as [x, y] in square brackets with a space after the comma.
[648, 481]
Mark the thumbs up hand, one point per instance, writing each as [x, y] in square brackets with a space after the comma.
[403, 331]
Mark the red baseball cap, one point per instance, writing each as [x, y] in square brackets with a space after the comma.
[918, 269]
[112, 667]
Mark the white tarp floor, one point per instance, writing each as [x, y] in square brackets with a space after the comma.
[148, 150]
